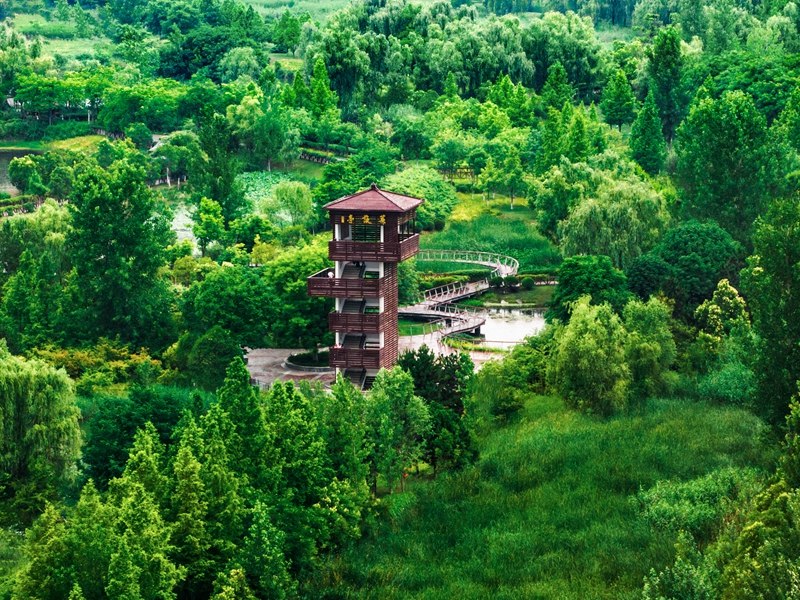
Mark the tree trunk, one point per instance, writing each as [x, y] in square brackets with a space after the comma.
[512, 201]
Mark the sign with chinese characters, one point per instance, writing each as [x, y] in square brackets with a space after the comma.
[365, 219]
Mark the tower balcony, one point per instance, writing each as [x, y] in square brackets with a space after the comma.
[361, 358]
[324, 285]
[358, 350]
[361, 322]
[391, 252]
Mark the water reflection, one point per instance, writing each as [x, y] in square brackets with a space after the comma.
[506, 327]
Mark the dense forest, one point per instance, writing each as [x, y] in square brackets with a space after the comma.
[167, 167]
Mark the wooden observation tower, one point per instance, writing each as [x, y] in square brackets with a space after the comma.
[373, 231]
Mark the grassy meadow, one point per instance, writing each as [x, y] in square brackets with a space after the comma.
[547, 512]
[494, 227]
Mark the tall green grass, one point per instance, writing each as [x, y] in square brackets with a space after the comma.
[547, 512]
[490, 233]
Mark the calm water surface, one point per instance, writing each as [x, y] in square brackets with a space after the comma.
[508, 326]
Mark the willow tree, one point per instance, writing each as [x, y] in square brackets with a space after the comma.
[39, 431]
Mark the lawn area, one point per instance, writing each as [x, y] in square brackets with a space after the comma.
[87, 144]
[305, 170]
[288, 62]
[546, 513]
[22, 145]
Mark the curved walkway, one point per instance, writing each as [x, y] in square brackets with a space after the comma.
[447, 318]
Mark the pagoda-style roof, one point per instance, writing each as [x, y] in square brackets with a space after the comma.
[375, 199]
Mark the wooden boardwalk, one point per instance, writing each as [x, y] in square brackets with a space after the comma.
[437, 304]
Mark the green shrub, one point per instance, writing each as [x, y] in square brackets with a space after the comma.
[696, 506]
[62, 31]
[66, 129]
[510, 281]
[528, 283]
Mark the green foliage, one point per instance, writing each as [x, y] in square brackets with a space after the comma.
[618, 105]
[697, 506]
[623, 221]
[589, 367]
[699, 255]
[769, 282]
[116, 420]
[209, 224]
[295, 198]
[140, 135]
[424, 182]
[41, 437]
[594, 276]
[649, 347]
[117, 246]
[728, 163]
[398, 422]
[565, 480]
[235, 298]
[665, 69]
[209, 356]
[647, 142]
[443, 382]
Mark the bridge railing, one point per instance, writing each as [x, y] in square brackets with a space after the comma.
[446, 292]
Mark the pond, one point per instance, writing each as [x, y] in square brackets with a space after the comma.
[506, 327]
[6, 156]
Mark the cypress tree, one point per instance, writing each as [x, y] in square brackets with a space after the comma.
[250, 448]
[145, 463]
[222, 486]
[189, 509]
[263, 560]
[91, 539]
[16, 311]
[647, 142]
[557, 89]
[322, 98]
[618, 104]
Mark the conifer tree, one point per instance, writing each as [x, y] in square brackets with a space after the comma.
[665, 66]
[618, 104]
[232, 585]
[343, 429]
[489, 179]
[302, 95]
[647, 142]
[304, 472]
[226, 508]
[578, 147]
[189, 510]
[91, 540]
[76, 593]
[123, 575]
[45, 573]
[398, 421]
[263, 560]
[145, 463]
[450, 87]
[553, 141]
[557, 89]
[513, 175]
[142, 560]
[322, 97]
[249, 448]
[16, 310]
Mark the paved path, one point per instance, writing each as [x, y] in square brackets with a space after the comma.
[266, 366]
